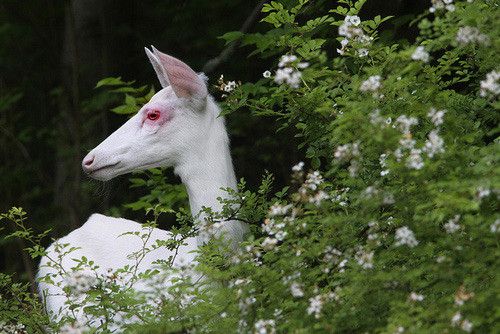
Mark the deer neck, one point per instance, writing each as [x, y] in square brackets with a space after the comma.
[208, 167]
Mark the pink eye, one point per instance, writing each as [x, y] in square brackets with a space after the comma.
[153, 115]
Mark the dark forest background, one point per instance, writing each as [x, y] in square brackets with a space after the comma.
[52, 54]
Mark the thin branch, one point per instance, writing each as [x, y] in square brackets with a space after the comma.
[213, 63]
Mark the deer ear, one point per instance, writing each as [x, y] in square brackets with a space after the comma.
[184, 81]
[160, 71]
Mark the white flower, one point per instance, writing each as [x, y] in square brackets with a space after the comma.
[415, 160]
[345, 30]
[482, 193]
[245, 304]
[266, 74]
[416, 297]
[466, 326]
[344, 43]
[405, 123]
[302, 65]
[288, 75]
[451, 226]
[269, 244]
[407, 143]
[265, 326]
[278, 210]
[296, 289]
[420, 54]
[341, 152]
[286, 59]
[230, 86]
[313, 180]
[319, 197]
[315, 306]
[495, 227]
[471, 35]
[434, 144]
[363, 52]
[405, 236]
[298, 167]
[442, 4]
[384, 172]
[436, 116]
[365, 259]
[355, 20]
[457, 317]
[490, 86]
[371, 84]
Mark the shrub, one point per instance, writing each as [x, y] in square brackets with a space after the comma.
[395, 227]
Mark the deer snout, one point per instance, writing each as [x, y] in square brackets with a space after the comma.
[88, 163]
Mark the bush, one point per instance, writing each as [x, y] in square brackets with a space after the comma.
[395, 228]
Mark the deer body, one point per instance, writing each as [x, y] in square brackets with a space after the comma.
[179, 127]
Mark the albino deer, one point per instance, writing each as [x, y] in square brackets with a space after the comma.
[179, 127]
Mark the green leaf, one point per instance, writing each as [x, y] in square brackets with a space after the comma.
[231, 36]
[315, 162]
[125, 109]
[110, 82]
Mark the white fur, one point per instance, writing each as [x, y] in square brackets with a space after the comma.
[193, 140]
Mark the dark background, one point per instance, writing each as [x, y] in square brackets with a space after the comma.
[52, 54]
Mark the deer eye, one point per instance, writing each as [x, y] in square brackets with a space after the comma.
[153, 115]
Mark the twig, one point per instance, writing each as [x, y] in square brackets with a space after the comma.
[213, 63]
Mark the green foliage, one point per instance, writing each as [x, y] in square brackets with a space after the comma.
[394, 229]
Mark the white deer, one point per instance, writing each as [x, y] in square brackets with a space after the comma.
[180, 127]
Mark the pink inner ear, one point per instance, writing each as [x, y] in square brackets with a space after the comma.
[184, 81]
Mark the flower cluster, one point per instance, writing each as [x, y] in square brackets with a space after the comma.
[346, 152]
[420, 54]
[433, 144]
[296, 289]
[353, 34]
[13, 329]
[451, 226]
[227, 86]
[265, 326]
[372, 84]
[289, 71]
[276, 233]
[436, 116]
[349, 152]
[332, 258]
[246, 304]
[442, 4]
[364, 258]
[405, 123]
[414, 160]
[465, 325]
[376, 119]
[462, 295]
[310, 190]
[471, 35]
[490, 86]
[405, 236]
[416, 297]
[316, 303]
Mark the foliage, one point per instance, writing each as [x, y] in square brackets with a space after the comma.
[394, 229]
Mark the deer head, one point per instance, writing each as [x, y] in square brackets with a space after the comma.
[165, 132]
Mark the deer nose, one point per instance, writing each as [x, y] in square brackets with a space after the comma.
[88, 162]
